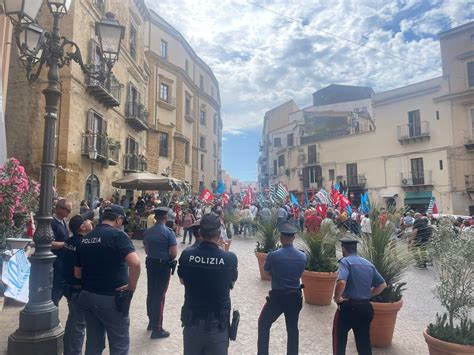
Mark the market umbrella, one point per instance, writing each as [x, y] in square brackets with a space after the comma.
[149, 181]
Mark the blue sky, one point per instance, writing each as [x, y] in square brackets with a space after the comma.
[286, 50]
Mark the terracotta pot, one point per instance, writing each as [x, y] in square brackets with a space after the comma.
[440, 347]
[383, 323]
[261, 260]
[318, 287]
[227, 246]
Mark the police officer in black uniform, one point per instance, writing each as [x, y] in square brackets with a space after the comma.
[75, 329]
[207, 273]
[357, 282]
[286, 265]
[161, 250]
[108, 267]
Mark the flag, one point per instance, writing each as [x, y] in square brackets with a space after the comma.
[272, 192]
[335, 195]
[364, 203]
[324, 198]
[432, 207]
[322, 209]
[281, 192]
[225, 198]
[248, 198]
[293, 199]
[220, 187]
[207, 196]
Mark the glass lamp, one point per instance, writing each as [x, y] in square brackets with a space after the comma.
[30, 39]
[59, 7]
[22, 11]
[110, 34]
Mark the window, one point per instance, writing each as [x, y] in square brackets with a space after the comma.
[133, 42]
[164, 49]
[281, 161]
[440, 165]
[202, 117]
[290, 140]
[313, 176]
[100, 5]
[164, 92]
[186, 153]
[214, 148]
[331, 174]
[417, 171]
[215, 124]
[202, 142]
[97, 129]
[312, 156]
[163, 150]
[414, 123]
[132, 146]
[437, 115]
[277, 142]
[201, 82]
[187, 105]
[186, 66]
[202, 161]
[470, 73]
[275, 167]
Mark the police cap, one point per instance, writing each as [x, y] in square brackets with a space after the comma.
[210, 222]
[287, 228]
[118, 211]
[76, 222]
[348, 241]
[161, 211]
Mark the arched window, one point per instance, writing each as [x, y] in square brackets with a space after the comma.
[92, 188]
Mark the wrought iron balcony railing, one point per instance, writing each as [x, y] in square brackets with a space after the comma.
[356, 181]
[96, 145]
[107, 93]
[134, 163]
[413, 131]
[136, 115]
[416, 178]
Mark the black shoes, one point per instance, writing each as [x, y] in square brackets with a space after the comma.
[155, 334]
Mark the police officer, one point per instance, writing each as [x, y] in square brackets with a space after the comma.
[161, 250]
[109, 268]
[358, 281]
[75, 329]
[207, 273]
[285, 265]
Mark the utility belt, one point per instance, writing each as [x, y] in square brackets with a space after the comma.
[289, 291]
[171, 263]
[69, 290]
[219, 319]
[352, 301]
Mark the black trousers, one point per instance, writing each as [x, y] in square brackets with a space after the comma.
[356, 316]
[279, 302]
[201, 340]
[57, 290]
[158, 277]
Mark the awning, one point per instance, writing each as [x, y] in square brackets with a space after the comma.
[388, 194]
[418, 197]
[148, 181]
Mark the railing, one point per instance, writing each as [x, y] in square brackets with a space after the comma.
[136, 115]
[356, 180]
[134, 163]
[413, 130]
[107, 92]
[416, 178]
[469, 180]
[313, 159]
[97, 143]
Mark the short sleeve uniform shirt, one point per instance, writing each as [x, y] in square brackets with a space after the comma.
[157, 240]
[286, 266]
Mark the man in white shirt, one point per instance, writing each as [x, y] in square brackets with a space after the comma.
[365, 226]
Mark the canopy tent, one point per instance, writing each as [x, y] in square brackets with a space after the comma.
[149, 181]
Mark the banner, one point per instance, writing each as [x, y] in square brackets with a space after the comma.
[207, 196]
[16, 275]
[225, 198]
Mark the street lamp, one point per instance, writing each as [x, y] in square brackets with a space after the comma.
[39, 331]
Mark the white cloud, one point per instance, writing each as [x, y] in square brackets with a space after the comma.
[262, 59]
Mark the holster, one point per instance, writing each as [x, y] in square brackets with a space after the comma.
[186, 317]
[234, 325]
[67, 291]
[122, 302]
[173, 264]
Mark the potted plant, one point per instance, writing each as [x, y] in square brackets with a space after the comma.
[392, 259]
[18, 200]
[267, 240]
[453, 259]
[320, 275]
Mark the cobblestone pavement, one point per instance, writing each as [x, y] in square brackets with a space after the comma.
[248, 296]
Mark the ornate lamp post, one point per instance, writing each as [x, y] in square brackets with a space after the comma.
[40, 331]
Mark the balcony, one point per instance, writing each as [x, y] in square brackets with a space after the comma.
[413, 132]
[416, 179]
[469, 143]
[189, 116]
[169, 105]
[107, 94]
[136, 116]
[134, 163]
[469, 179]
[356, 181]
[107, 150]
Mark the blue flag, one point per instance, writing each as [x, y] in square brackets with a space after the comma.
[294, 200]
[220, 187]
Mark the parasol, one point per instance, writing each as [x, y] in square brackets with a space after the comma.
[149, 181]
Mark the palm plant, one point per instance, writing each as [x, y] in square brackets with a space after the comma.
[390, 257]
[267, 236]
[320, 250]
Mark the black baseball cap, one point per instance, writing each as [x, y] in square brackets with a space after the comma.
[117, 211]
[210, 222]
[76, 221]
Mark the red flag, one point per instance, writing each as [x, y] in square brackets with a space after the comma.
[207, 195]
[435, 208]
[225, 198]
[322, 209]
[248, 198]
[312, 195]
[335, 195]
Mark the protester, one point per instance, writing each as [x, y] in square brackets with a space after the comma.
[366, 225]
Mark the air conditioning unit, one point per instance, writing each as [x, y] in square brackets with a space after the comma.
[313, 185]
[406, 181]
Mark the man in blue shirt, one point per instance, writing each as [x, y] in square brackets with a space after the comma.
[358, 281]
[286, 266]
[161, 250]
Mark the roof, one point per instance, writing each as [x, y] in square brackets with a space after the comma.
[466, 26]
[336, 93]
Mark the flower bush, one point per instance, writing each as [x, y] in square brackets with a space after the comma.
[19, 195]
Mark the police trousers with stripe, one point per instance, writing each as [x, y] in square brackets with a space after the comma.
[158, 277]
[355, 315]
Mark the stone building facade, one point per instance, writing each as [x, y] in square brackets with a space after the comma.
[105, 131]
[5, 47]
